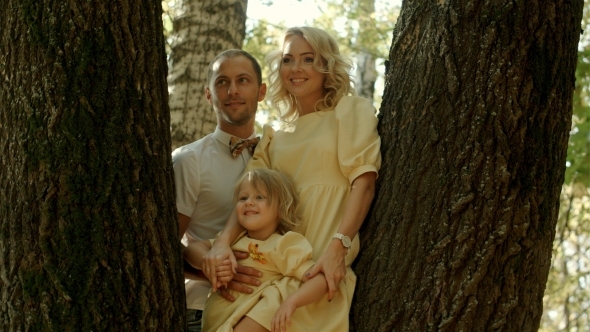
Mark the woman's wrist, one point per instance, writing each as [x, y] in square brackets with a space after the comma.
[337, 248]
[222, 241]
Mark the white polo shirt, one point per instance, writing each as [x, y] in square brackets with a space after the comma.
[205, 175]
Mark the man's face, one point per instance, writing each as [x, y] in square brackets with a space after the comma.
[234, 92]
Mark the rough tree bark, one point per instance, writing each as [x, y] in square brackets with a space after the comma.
[88, 230]
[202, 29]
[475, 121]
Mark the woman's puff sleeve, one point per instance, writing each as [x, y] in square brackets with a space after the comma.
[292, 255]
[359, 144]
[261, 157]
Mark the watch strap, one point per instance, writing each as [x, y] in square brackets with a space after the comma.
[345, 240]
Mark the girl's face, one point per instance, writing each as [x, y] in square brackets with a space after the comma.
[297, 72]
[255, 213]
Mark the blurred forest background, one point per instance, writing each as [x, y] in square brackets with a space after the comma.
[364, 32]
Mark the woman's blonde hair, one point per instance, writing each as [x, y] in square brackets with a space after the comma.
[280, 191]
[328, 60]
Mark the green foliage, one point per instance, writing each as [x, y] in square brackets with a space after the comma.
[578, 159]
[261, 38]
[358, 25]
[361, 25]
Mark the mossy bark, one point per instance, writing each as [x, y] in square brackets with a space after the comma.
[88, 230]
[475, 121]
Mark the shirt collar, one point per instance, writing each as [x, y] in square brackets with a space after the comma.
[224, 137]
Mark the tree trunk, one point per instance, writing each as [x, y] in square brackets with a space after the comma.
[475, 121]
[202, 29]
[366, 74]
[88, 229]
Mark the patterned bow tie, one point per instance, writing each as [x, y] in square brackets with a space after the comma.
[236, 145]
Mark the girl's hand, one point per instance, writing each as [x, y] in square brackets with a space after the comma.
[225, 273]
[332, 264]
[282, 318]
[214, 258]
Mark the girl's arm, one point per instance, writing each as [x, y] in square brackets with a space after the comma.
[221, 249]
[311, 291]
[332, 262]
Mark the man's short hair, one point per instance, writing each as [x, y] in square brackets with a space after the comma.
[232, 54]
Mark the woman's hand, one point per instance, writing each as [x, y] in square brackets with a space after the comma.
[332, 264]
[214, 258]
[356, 207]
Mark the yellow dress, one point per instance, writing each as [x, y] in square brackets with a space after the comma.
[282, 259]
[323, 153]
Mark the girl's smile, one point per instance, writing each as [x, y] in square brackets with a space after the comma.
[255, 213]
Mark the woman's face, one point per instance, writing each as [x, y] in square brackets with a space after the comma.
[297, 72]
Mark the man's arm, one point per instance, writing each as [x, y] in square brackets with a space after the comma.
[192, 273]
[183, 221]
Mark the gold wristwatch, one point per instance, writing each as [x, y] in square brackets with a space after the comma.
[346, 243]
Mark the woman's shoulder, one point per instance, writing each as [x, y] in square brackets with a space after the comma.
[350, 105]
[352, 99]
[294, 235]
[268, 131]
[267, 128]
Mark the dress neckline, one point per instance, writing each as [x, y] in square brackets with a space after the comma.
[319, 114]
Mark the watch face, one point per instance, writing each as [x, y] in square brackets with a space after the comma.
[346, 241]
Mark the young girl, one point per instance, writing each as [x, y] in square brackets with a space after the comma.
[267, 208]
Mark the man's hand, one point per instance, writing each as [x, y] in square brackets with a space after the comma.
[244, 276]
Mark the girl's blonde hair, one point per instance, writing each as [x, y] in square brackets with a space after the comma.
[327, 60]
[280, 191]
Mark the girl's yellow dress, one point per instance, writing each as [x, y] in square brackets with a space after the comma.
[323, 153]
[282, 259]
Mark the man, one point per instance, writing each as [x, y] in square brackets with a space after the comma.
[206, 171]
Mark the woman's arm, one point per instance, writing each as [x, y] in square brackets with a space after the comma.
[332, 262]
[194, 252]
[193, 255]
[221, 250]
[311, 291]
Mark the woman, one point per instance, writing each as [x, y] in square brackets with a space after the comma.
[331, 150]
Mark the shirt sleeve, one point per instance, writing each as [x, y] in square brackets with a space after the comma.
[261, 157]
[187, 181]
[292, 255]
[359, 144]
